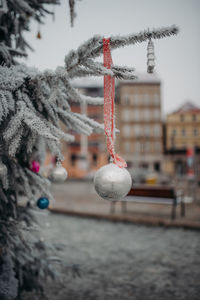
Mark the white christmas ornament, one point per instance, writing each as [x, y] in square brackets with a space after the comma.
[112, 183]
[59, 174]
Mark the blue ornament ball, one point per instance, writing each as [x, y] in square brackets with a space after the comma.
[43, 203]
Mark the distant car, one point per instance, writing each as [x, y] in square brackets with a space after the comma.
[141, 175]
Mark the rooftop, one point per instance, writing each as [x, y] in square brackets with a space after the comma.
[188, 106]
[144, 78]
[88, 82]
[97, 82]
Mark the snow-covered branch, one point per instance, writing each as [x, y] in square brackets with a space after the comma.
[94, 46]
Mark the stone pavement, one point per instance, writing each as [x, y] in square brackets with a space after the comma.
[80, 199]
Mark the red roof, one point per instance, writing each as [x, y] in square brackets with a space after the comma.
[188, 107]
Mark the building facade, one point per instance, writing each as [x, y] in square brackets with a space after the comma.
[183, 127]
[87, 153]
[138, 116]
[182, 131]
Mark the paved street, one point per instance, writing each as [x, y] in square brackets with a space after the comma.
[80, 198]
[121, 261]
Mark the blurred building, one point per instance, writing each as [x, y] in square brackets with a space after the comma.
[87, 153]
[182, 135]
[138, 116]
[183, 127]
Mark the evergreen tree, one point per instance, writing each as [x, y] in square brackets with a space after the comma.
[14, 20]
[33, 106]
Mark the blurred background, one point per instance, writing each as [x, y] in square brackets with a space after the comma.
[158, 117]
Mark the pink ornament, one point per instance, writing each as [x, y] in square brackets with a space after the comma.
[35, 166]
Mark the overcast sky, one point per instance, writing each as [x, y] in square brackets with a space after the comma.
[177, 58]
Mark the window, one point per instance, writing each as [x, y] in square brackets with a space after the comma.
[141, 147]
[126, 130]
[183, 132]
[156, 114]
[94, 159]
[137, 147]
[93, 144]
[194, 117]
[173, 145]
[94, 116]
[182, 118]
[132, 100]
[126, 114]
[147, 147]
[75, 144]
[172, 142]
[147, 130]
[136, 114]
[127, 147]
[129, 164]
[132, 114]
[144, 165]
[156, 99]
[141, 100]
[195, 131]
[184, 146]
[146, 99]
[73, 159]
[173, 132]
[157, 166]
[157, 130]
[126, 99]
[137, 130]
[137, 100]
[157, 147]
[179, 167]
[94, 91]
[146, 115]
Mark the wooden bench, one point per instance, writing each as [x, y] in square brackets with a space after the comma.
[153, 195]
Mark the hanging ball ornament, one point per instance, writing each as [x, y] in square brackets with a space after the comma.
[43, 203]
[59, 174]
[35, 166]
[112, 183]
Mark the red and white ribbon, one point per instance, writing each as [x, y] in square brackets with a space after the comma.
[109, 96]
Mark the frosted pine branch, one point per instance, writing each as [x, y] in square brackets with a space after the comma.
[97, 126]
[15, 142]
[132, 39]
[76, 123]
[15, 122]
[94, 46]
